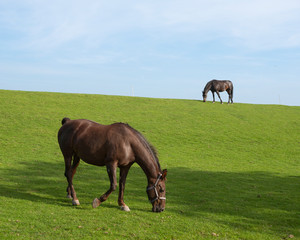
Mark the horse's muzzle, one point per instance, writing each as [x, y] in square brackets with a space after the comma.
[157, 209]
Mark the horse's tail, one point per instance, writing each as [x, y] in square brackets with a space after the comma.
[65, 120]
[231, 93]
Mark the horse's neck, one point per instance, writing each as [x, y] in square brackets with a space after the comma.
[150, 168]
[207, 87]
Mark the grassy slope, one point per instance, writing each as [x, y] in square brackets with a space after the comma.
[233, 170]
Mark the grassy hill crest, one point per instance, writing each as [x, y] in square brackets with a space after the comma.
[233, 169]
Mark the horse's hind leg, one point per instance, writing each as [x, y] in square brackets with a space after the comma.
[123, 175]
[229, 95]
[70, 170]
[75, 164]
[111, 168]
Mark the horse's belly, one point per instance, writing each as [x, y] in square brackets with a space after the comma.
[94, 161]
[91, 153]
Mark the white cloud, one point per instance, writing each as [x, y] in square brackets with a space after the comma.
[259, 24]
[89, 60]
[256, 24]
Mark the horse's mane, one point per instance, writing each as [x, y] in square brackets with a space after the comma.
[207, 86]
[150, 148]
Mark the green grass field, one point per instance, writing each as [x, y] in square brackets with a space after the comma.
[233, 170]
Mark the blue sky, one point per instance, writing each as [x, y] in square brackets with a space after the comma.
[161, 49]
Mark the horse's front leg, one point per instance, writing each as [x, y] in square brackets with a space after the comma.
[122, 181]
[219, 97]
[111, 168]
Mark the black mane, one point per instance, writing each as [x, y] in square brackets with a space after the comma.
[151, 149]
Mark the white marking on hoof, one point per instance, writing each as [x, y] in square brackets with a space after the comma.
[125, 208]
[75, 202]
[96, 202]
[69, 196]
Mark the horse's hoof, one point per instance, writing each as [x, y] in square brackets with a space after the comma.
[96, 202]
[75, 202]
[125, 208]
[69, 196]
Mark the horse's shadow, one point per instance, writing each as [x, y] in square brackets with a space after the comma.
[253, 197]
[34, 181]
[45, 182]
[248, 198]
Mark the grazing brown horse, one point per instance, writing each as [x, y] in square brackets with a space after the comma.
[115, 145]
[218, 86]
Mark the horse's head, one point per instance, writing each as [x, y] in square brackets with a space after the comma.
[204, 95]
[157, 193]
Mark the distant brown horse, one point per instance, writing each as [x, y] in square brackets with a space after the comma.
[218, 86]
[115, 145]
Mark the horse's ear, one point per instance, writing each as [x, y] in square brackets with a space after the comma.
[164, 173]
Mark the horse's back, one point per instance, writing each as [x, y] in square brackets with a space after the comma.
[71, 127]
[95, 143]
[215, 81]
[77, 132]
[221, 85]
[230, 84]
